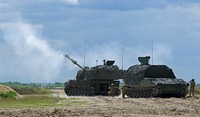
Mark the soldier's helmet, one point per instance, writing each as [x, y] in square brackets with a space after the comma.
[112, 84]
[192, 79]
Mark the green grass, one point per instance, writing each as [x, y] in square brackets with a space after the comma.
[8, 95]
[37, 101]
[27, 90]
[32, 88]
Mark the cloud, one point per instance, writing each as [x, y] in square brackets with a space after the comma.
[4, 5]
[72, 2]
[134, 4]
[174, 27]
[161, 53]
[122, 5]
[113, 51]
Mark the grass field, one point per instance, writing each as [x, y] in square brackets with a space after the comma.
[37, 101]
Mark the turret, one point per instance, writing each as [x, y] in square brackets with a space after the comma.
[73, 61]
[144, 60]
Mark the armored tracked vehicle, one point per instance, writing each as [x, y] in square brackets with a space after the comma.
[147, 80]
[95, 80]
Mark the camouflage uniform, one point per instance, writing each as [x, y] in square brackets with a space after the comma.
[112, 90]
[192, 87]
[123, 91]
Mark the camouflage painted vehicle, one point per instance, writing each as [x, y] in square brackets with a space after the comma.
[146, 80]
[95, 80]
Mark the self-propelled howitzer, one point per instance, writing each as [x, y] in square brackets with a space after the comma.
[147, 80]
[95, 80]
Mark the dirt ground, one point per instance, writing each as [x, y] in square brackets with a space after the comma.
[100, 106]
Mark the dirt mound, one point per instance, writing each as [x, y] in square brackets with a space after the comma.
[5, 89]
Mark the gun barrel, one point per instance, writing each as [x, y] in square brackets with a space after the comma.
[73, 61]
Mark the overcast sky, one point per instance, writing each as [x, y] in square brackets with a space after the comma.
[34, 34]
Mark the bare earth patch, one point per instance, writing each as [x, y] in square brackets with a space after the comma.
[100, 106]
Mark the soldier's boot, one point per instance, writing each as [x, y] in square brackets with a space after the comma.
[113, 94]
[193, 93]
[109, 94]
[123, 95]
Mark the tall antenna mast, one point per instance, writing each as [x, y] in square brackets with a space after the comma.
[122, 55]
[152, 52]
[84, 52]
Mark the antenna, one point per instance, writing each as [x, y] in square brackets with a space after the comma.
[122, 55]
[84, 52]
[152, 52]
[96, 62]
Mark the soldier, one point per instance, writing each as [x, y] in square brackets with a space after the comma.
[123, 91]
[112, 90]
[192, 87]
